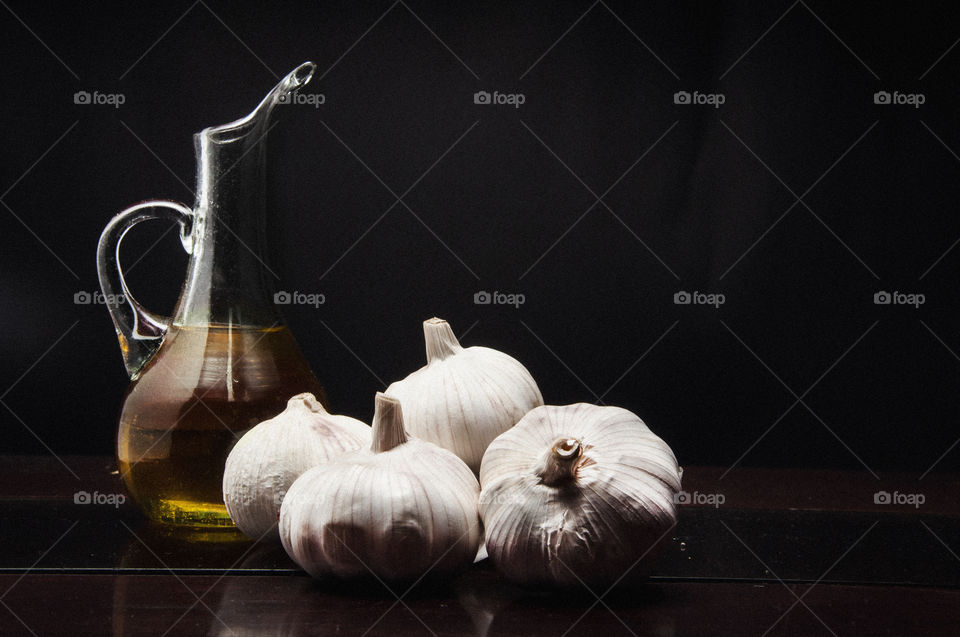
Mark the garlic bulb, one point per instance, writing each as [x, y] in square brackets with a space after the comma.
[577, 493]
[398, 510]
[268, 458]
[464, 398]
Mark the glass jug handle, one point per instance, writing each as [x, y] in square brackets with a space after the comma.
[139, 331]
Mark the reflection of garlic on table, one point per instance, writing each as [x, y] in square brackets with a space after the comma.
[268, 458]
[397, 510]
[578, 493]
[464, 397]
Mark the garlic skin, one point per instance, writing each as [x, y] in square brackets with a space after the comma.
[464, 397]
[577, 494]
[398, 510]
[268, 458]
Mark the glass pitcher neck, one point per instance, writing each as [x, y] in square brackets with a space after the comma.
[231, 280]
[230, 276]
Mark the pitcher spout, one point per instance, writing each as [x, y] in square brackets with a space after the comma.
[260, 116]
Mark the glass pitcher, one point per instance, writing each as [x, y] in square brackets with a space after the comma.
[225, 360]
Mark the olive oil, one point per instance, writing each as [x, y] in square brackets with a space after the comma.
[202, 390]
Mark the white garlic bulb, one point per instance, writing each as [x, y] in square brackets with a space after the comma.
[577, 493]
[402, 508]
[464, 397]
[268, 458]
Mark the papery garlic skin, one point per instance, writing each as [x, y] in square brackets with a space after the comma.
[399, 510]
[268, 458]
[464, 397]
[577, 494]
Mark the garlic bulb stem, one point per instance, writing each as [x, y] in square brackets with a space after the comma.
[560, 462]
[440, 339]
[388, 431]
[307, 401]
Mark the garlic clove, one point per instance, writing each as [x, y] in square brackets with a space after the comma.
[464, 397]
[268, 458]
[398, 510]
[577, 493]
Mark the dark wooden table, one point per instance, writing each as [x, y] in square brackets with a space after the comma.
[784, 553]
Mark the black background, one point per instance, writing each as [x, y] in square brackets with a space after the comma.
[711, 205]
